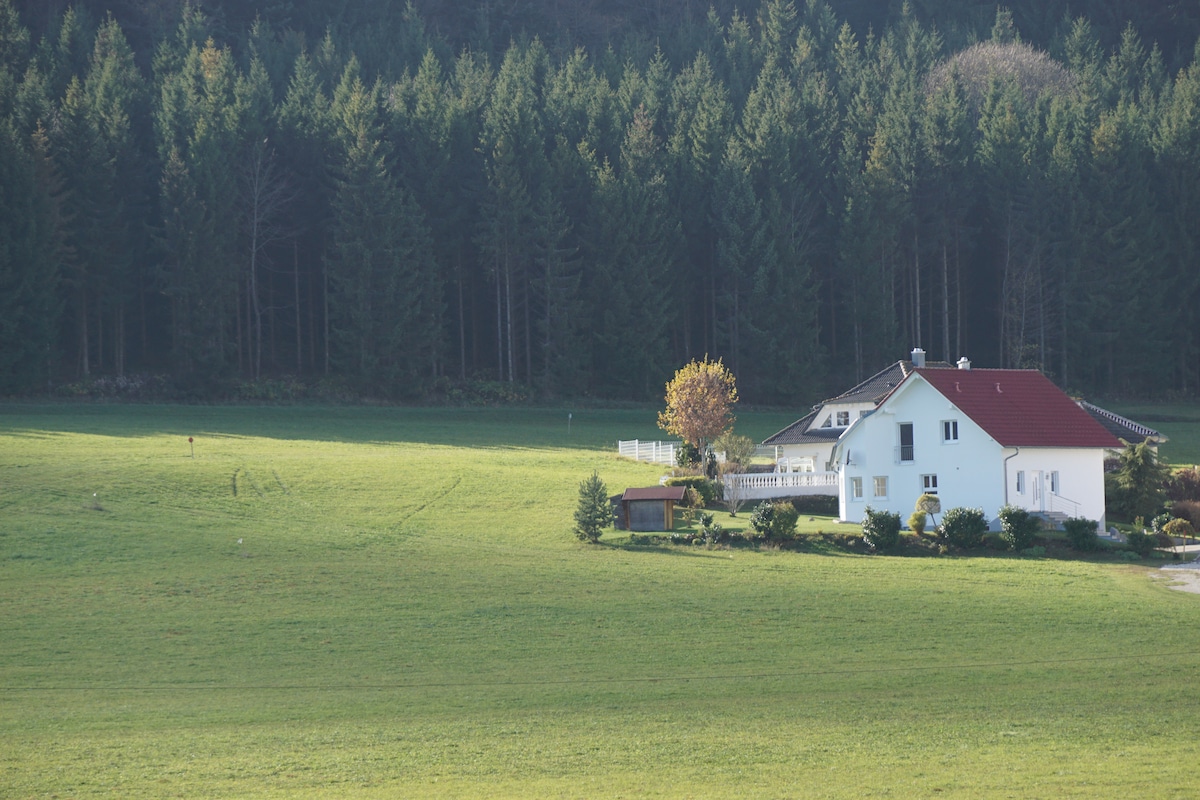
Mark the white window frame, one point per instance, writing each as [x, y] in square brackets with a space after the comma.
[1020, 481]
[949, 431]
[1054, 487]
[856, 488]
[929, 484]
[843, 419]
[877, 482]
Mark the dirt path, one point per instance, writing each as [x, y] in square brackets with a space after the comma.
[1181, 577]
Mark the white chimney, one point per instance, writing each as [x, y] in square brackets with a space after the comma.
[964, 363]
[918, 357]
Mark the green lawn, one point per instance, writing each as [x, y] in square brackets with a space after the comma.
[408, 615]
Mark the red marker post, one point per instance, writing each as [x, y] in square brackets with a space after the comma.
[192, 446]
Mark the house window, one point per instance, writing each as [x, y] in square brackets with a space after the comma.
[880, 486]
[1020, 481]
[856, 489]
[843, 418]
[1054, 482]
[929, 484]
[828, 423]
[949, 430]
[905, 451]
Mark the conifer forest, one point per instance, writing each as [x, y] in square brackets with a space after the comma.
[575, 198]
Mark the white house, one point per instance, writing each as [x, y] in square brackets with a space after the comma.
[976, 438]
[807, 444]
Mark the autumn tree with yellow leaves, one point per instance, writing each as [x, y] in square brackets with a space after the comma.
[700, 400]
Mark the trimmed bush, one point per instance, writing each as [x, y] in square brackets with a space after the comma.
[706, 488]
[916, 522]
[1018, 527]
[963, 527]
[817, 504]
[1179, 529]
[881, 529]
[1081, 533]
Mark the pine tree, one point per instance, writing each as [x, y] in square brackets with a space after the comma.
[593, 514]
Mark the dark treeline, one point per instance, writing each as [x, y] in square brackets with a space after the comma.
[579, 197]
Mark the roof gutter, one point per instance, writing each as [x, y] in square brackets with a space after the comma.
[1006, 460]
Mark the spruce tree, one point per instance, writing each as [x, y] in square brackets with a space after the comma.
[593, 514]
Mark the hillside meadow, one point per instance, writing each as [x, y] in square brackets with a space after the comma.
[379, 603]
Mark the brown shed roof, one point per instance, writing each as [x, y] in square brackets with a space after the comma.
[655, 493]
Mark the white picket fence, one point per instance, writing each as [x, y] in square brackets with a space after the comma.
[765, 485]
[655, 452]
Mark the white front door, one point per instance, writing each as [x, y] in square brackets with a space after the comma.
[1035, 486]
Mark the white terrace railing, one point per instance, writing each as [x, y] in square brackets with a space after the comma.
[765, 485]
[656, 452]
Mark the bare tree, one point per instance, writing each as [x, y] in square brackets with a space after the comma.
[265, 196]
[733, 491]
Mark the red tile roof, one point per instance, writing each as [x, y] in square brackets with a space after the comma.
[655, 493]
[1019, 408]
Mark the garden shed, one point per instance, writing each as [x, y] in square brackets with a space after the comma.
[647, 509]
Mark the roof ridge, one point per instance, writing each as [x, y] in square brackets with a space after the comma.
[1136, 427]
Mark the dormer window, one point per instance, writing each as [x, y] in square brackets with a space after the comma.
[828, 423]
[843, 419]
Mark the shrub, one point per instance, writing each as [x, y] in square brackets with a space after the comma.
[881, 529]
[963, 527]
[1184, 485]
[1158, 522]
[1140, 542]
[1018, 527]
[1187, 509]
[687, 455]
[775, 521]
[916, 522]
[703, 486]
[1034, 552]
[783, 522]
[1081, 533]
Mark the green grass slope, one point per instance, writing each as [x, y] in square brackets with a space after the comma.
[407, 614]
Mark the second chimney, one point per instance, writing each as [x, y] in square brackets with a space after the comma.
[918, 357]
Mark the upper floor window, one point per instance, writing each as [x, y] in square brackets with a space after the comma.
[949, 430]
[905, 450]
[843, 418]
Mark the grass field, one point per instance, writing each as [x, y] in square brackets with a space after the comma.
[388, 603]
